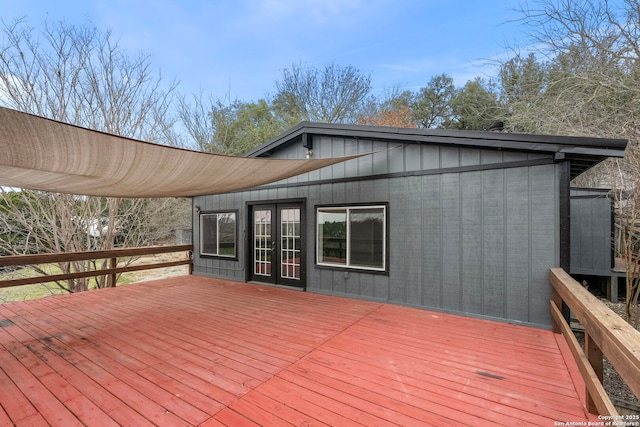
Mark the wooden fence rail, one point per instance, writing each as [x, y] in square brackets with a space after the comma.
[111, 255]
[606, 334]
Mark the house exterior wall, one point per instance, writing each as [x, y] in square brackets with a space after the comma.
[471, 231]
[591, 233]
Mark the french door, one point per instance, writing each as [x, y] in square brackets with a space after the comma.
[277, 244]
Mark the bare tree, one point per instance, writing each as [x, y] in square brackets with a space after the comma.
[592, 80]
[333, 94]
[80, 76]
[591, 86]
[195, 116]
[391, 108]
[626, 195]
[230, 128]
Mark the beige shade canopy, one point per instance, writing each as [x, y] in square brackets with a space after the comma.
[43, 154]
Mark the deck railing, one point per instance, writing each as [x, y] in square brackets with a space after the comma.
[111, 255]
[605, 334]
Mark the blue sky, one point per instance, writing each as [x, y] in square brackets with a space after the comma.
[241, 46]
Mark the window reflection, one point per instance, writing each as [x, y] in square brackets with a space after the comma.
[352, 236]
[218, 234]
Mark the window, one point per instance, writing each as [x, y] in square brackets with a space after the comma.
[353, 237]
[218, 234]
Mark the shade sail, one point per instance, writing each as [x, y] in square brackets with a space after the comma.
[47, 155]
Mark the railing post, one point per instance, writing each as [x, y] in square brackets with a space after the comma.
[564, 309]
[113, 263]
[557, 300]
[566, 313]
[594, 355]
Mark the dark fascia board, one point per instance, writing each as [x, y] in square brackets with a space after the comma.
[595, 189]
[571, 145]
[282, 139]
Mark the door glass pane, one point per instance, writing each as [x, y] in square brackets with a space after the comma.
[290, 243]
[262, 242]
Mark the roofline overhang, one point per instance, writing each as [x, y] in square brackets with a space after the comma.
[571, 146]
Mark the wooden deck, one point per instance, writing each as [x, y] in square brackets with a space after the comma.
[190, 351]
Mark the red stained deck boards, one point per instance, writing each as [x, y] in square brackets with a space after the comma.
[191, 350]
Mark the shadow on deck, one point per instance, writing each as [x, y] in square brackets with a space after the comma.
[193, 351]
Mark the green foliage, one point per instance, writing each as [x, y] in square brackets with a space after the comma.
[333, 94]
[239, 127]
[440, 104]
[432, 105]
[397, 101]
[522, 78]
[522, 82]
[588, 83]
[474, 107]
[334, 229]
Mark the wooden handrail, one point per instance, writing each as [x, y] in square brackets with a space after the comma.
[606, 334]
[112, 255]
[86, 255]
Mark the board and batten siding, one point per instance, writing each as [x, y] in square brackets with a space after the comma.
[392, 158]
[591, 232]
[474, 242]
[478, 243]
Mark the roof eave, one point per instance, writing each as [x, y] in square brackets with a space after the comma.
[576, 145]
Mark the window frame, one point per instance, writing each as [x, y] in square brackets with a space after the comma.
[201, 216]
[348, 207]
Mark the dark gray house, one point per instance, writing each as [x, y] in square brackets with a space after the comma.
[592, 241]
[463, 222]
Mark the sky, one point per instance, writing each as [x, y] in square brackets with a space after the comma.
[238, 49]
